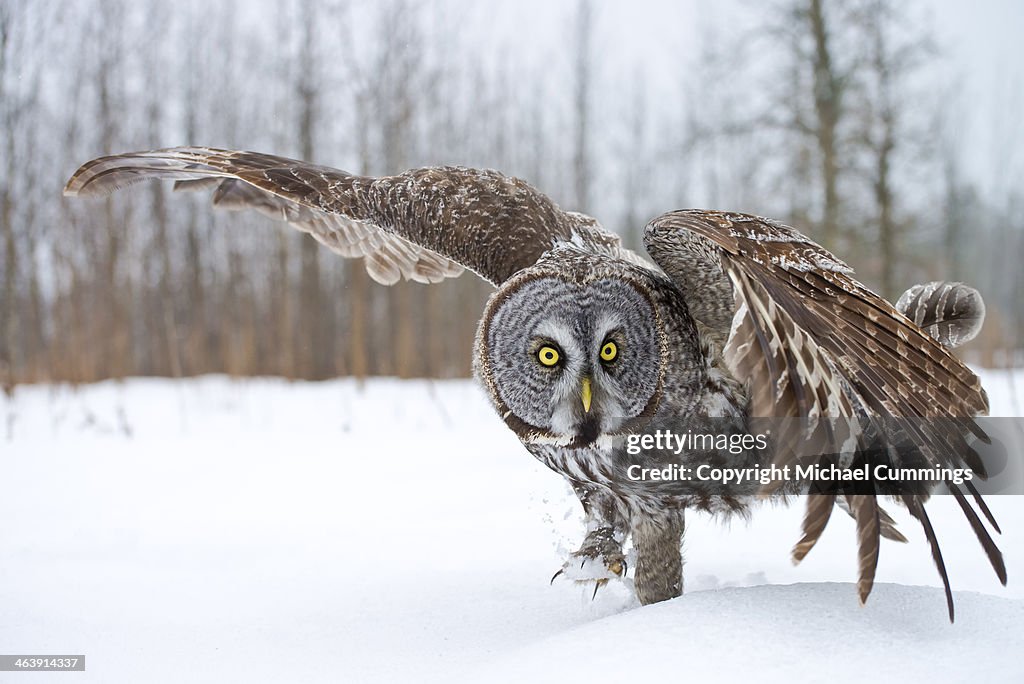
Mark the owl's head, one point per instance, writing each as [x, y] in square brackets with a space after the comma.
[572, 352]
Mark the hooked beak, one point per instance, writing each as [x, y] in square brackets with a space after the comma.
[585, 395]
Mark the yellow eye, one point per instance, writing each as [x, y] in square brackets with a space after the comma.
[609, 351]
[548, 356]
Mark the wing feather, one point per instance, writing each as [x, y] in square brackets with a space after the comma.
[816, 517]
[987, 543]
[865, 513]
[812, 342]
[916, 508]
[982, 506]
[425, 224]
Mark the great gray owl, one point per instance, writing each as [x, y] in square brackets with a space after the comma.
[584, 342]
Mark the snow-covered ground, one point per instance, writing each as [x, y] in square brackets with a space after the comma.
[216, 530]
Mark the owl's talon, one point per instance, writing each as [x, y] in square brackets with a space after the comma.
[616, 568]
[601, 560]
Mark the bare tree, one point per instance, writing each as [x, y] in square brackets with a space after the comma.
[811, 106]
[896, 47]
[959, 202]
[829, 92]
[583, 77]
[109, 333]
[9, 293]
[312, 311]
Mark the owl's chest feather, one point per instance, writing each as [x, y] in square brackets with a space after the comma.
[719, 407]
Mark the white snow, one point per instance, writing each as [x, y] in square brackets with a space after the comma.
[214, 530]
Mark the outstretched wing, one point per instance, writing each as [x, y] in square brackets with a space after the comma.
[812, 342]
[425, 224]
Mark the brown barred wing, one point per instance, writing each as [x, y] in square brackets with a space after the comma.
[812, 343]
[425, 224]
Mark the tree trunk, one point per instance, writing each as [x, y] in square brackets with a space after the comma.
[827, 106]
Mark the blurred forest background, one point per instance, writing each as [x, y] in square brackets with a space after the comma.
[840, 117]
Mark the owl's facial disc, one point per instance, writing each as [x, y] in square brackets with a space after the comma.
[572, 361]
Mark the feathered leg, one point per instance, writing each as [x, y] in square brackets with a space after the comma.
[659, 561]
